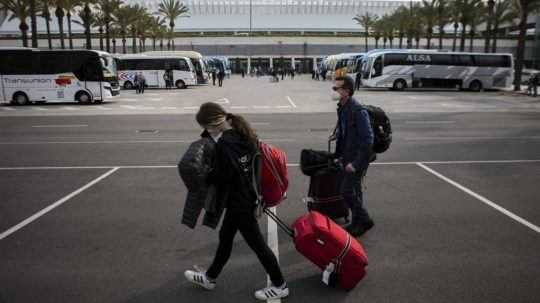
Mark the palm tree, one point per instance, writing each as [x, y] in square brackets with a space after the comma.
[20, 9]
[489, 24]
[477, 15]
[59, 13]
[455, 17]
[525, 8]
[33, 23]
[87, 20]
[108, 7]
[442, 18]
[144, 25]
[429, 15]
[137, 12]
[401, 16]
[367, 20]
[377, 31]
[123, 17]
[172, 9]
[43, 8]
[504, 12]
[163, 33]
[99, 22]
[417, 23]
[388, 28]
[155, 29]
[69, 6]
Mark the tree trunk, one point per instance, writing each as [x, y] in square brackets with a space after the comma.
[384, 42]
[33, 23]
[134, 42]
[428, 45]
[161, 45]
[400, 40]
[472, 40]
[367, 34]
[391, 42]
[101, 38]
[494, 37]
[441, 34]
[60, 16]
[417, 39]
[69, 30]
[376, 42]
[521, 44]
[87, 28]
[124, 42]
[114, 45]
[24, 33]
[455, 37]
[108, 34]
[491, 3]
[153, 43]
[463, 34]
[49, 38]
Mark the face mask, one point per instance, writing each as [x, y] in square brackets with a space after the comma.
[336, 96]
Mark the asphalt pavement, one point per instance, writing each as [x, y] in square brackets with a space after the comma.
[91, 199]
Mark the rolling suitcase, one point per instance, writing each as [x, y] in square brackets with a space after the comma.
[340, 256]
[326, 176]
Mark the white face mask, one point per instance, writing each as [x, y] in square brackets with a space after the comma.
[336, 96]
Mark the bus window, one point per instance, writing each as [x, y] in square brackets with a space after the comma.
[377, 67]
[182, 65]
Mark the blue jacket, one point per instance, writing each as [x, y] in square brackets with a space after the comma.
[354, 135]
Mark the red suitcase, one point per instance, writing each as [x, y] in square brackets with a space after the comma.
[341, 257]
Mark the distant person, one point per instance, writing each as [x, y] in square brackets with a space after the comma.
[323, 74]
[214, 76]
[282, 72]
[317, 74]
[358, 81]
[535, 82]
[166, 76]
[136, 81]
[243, 72]
[142, 83]
[293, 71]
[313, 74]
[221, 76]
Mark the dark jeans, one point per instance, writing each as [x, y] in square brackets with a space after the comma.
[220, 82]
[249, 229]
[351, 189]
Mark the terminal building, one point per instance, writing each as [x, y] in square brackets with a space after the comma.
[297, 33]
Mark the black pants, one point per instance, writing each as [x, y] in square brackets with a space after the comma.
[351, 189]
[249, 229]
[220, 82]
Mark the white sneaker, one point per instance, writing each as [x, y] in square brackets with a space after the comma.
[272, 292]
[199, 277]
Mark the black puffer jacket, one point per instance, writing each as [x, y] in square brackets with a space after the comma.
[233, 172]
[194, 167]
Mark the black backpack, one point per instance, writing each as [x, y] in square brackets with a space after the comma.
[382, 130]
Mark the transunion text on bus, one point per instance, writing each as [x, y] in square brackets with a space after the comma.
[26, 81]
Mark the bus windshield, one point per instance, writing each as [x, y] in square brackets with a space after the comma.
[108, 65]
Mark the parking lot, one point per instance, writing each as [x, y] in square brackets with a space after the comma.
[91, 198]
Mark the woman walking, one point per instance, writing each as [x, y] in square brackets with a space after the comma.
[236, 146]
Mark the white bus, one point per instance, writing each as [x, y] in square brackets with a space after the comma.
[196, 60]
[400, 69]
[32, 75]
[153, 68]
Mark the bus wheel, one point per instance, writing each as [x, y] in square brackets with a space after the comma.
[128, 85]
[475, 86]
[399, 84]
[180, 84]
[83, 98]
[20, 98]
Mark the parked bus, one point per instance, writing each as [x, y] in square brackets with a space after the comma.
[196, 60]
[153, 68]
[219, 64]
[421, 68]
[354, 64]
[32, 75]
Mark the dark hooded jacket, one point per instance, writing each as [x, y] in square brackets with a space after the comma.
[233, 172]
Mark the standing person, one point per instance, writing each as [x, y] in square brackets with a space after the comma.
[221, 75]
[535, 82]
[354, 148]
[282, 72]
[142, 83]
[236, 146]
[242, 72]
[214, 77]
[166, 79]
[136, 82]
[358, 81]
[292, 73]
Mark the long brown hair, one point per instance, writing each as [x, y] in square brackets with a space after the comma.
[212, 114]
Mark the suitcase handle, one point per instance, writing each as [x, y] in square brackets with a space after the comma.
[279, 222]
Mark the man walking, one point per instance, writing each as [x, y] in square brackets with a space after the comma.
[354, 148]
[142, 83]
[221, 76]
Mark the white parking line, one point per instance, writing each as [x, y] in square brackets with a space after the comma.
[291, 102]
[262, 106]
[128, 106]
[223, 101]
[39, 108]
[61, 125]
[239, 107]
[153, 99]
[283, 106]
[102, 107]
[272, 240]
[55, 205]
[69, 108]
[483, 199]
[429, 122]
[191, 107]
[7, 108]
[168, 107]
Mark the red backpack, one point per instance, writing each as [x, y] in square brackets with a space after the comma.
[273, 175]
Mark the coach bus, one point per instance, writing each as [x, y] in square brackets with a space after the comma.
[196, 60]
[420, 68]
[153, 68]
[31, 75]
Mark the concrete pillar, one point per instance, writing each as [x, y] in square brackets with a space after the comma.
[314, 63]
[292, 62]
[271, 63]
[249, 65]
